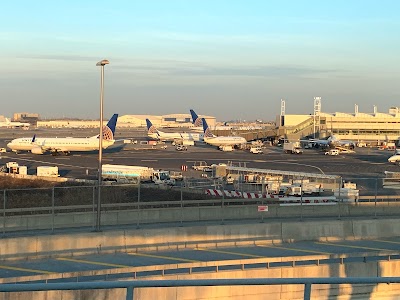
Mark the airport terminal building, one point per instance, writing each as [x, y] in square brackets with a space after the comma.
[373, 128]
[171, 120]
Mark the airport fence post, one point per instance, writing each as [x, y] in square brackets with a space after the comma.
[262, 213]
[222, 203]
[181, 204]
[138, 207]
[376, 196]
[52, 209]
[4, 211]
[93, 206]
[339, 196]
[301, 199]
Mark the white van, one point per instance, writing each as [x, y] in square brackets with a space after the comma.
[256, 150]
[332, 152]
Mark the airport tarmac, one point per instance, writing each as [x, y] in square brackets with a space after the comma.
[366, 164]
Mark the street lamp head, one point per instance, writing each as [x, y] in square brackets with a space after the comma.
[102, 63]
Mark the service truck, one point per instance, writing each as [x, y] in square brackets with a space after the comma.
[47, 171]
[201, 165]
[132, 174]
[226, 148]
[256, 150]
[292, 147]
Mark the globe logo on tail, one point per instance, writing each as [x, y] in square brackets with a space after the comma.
[107, 133]
[207, 133]
[152, 129]
[198, 122]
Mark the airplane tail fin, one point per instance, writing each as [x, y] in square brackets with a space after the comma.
[150, 127]
[207, 131]
[109, 129]
[196, 120]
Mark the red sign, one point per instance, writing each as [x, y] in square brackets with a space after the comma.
[263, 208]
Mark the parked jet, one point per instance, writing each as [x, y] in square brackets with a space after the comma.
[331, 142]
[219, 141]
[156, 134]
[11, 124]
[395, 158]
[66, 145]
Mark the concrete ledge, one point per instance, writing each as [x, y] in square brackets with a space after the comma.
[194, 237]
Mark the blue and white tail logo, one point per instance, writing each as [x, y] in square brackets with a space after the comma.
[150, 127]
[109, 129]
[196, 120]
[207, 131]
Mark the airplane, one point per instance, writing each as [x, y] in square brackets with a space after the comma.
[66, 145]
[156, 134]
[11, 124]
[220, 141]
[331, 142]
[395, 159]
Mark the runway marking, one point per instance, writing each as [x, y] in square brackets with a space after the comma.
[25, 270]
[62, 158]
[349, 246]
[295, 249]
[81, 261]
[149, 160]
[228, 252]
[163, 257]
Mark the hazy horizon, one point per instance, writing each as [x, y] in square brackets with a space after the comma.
[232, 60]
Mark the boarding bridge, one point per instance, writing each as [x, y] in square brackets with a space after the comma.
[294, 133]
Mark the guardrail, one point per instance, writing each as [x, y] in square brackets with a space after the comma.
[180, 211]
[212, 266]
[130, 286]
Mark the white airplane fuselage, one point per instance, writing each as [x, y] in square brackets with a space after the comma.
[172, 136]
[57, 144]
[225, 140]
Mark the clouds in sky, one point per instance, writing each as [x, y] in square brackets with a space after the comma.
[169, 56]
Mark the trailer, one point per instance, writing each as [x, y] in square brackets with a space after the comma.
[135, 174]
[47, 171]
[292, 147]
[126, 174]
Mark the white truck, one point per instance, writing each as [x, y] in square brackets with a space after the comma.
[226, 148]
[201, 165]
[132, 174]
[332, 152]
[307, 188]
[256, 150]
[292, 147]
[47, 171]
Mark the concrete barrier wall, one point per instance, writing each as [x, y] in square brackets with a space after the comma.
[193, 214]
[191, 237]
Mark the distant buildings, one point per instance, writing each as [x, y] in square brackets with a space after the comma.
[30, 118]
[373, 127]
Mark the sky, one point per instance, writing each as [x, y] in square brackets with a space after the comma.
[234, 60]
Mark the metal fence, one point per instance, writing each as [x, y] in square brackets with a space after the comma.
[66, 207]
[130, 286]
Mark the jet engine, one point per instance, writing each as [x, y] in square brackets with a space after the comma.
[37, 150]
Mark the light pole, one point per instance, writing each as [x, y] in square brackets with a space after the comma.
[101, 64]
